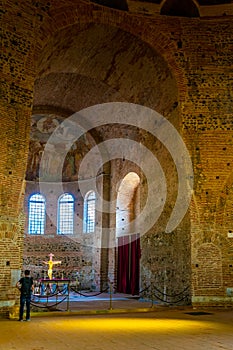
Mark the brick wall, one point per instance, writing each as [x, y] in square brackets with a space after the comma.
[183, 70]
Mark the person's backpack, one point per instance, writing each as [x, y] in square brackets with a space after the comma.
[26, 283]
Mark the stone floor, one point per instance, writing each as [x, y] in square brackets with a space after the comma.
[120, 324]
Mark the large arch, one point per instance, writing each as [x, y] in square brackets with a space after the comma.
[94, 62]
[82, 15]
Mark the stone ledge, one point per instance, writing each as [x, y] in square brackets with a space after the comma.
[212, 301]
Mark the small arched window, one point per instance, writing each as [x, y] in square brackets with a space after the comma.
[36, 216]
[65, 215]
[89, 212]
[127, 204]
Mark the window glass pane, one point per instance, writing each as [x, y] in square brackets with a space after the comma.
[66, 214]
[89, 212]
[36, 219]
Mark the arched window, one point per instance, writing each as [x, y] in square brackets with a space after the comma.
[36, 217]
[65, 215]
[127, 204]
[89, 212]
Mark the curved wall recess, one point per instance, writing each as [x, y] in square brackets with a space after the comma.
[180, 8]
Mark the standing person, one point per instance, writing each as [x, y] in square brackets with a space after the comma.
[26, 287]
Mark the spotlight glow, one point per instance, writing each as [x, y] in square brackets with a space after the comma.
[137, 325]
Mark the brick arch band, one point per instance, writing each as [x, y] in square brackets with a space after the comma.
[143, 28]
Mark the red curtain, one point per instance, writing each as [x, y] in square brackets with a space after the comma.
[134, 266]
[123, 265]
[128, 264]
[119, 264]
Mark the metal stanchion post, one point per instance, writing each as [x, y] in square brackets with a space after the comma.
[57, 293]
[47, 294]
[152, 299]
[110, 297]
[68, 296]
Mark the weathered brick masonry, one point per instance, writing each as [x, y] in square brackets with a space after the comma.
[58, 58]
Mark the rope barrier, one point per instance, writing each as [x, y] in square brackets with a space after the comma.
[90, 295]
[173, 295]
[50, 292]
[144, 289]
[49, 306]
[165, 295]
[171, 302]
[47, 296]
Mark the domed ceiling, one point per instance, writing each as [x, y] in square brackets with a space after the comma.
[110, 65]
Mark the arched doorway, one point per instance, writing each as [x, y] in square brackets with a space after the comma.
[128, 240]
